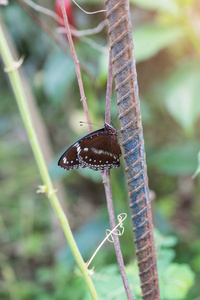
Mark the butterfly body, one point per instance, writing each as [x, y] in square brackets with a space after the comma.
[99, 150]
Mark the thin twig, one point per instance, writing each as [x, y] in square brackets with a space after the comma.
[48, 31]
[79, 33]
[107, 186]
[88, 12]
[109, 88]
[108, 192]
[93, 44]
[42, 25]
[45, 11]
[78, 71]
[58, 19]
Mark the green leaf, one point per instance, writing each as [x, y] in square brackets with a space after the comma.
[176, 281]
[150, 39]
[165, 258]
[169, 6]
[169, 241]
[59, 76]
[109, 283]
[164, 241]
[182, 95]
[176, 160]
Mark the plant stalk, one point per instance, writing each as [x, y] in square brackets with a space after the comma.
[48, 186]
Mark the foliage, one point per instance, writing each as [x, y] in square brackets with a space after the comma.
[152, 38]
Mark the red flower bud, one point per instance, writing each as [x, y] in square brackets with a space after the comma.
[68, 9]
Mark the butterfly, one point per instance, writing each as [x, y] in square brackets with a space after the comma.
[99, 150]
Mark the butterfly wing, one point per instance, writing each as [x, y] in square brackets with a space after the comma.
[70, 159]
[101, 151]
[98, 150]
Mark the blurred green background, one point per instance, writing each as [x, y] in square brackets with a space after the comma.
[35, 262]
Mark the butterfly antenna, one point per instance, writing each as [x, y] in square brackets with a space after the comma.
[111, 122]
[82, 123]
[114, 118]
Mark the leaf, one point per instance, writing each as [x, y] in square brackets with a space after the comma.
[169, 241]
[150, 39]
[163, 240]
[176, 281]
[176, 160]
[182, 96]
[169, 6]
[165, 258]
[109, 283]
[59, 75]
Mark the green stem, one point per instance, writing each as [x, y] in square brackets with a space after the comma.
[23, 107]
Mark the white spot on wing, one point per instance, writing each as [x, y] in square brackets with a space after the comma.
[99, 151]
[78, 147]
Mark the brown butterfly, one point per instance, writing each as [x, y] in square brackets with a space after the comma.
[99, 150]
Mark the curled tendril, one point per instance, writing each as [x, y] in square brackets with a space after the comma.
[116, 231]
[110, 233]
